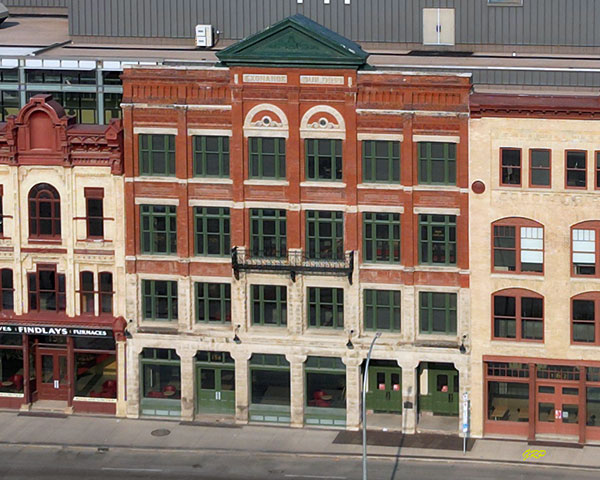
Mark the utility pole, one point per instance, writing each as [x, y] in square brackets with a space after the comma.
[364, 406]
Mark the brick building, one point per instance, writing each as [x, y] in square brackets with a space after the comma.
[283, 207]
[61, 261]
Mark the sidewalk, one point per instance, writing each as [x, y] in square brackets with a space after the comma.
[109, 432]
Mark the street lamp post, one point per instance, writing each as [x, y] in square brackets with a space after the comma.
[364, 406]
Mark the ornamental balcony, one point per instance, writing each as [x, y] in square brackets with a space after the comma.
[294, 262]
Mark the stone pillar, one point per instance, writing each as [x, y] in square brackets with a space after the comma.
[188, 382]
[133, 379]
[296, 304]
[409, 394]
[121, 363]
[353, 392]
[296, 389]
[242, 385]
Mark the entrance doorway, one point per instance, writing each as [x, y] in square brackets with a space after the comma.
[52, 373]
[385, 387]
[438, 387]
[215, 374]
[557, 410]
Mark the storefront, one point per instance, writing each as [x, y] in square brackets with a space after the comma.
[161, 382]
[325, 391]
[537, 397]
[269, 388]
[75, 365]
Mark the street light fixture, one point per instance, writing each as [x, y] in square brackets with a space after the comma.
[364, 406]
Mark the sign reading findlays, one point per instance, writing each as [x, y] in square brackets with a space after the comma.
[72, 331]
[263, 78]
[321, 80]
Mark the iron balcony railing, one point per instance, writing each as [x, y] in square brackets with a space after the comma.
[294, 262]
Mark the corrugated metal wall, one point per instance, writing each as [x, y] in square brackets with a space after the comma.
[537, 22]
[36, 3]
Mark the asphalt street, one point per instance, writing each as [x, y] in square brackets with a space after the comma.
[54, 463]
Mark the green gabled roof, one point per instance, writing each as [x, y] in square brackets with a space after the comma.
[296, 41]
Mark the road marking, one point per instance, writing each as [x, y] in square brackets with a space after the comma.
[132, 469]
[328, 477]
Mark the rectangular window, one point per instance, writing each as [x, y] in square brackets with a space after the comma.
[518, 317]
[510, 167]
[269, 305]
[325, 234]
[212, 231]
[157, 155]
[95, 375]
[593, 406]
[381, 161]
[325, 307]
[7, 287]
[437, 313]
[213, 302]
[323, 159]
[106, 292]
[161, 382]
[94, 200]
[159, 229]
[437, 163]
[576, 169]
[46, 290]
[9, 103]
[505, 248]
[268, 233]
[382, 310]
[508, 401]
[539, 168]
[437, 239]
[211, 156]
[159, 299]
[325, 391]
[112, 106]
[584, 251]
[598, 172]
[267, 157]
[381, 237]
[86, 292]
[532, 249]
[584, 321]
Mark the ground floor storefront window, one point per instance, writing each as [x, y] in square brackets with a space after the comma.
[161, 382]
[325, 391]
[11, 365]
[270, 388]
[95, 368]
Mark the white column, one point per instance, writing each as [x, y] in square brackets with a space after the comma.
[353, 392]
[121, 402]
[409, 397]
[296, 389]
[242, 387]
[188, 382]
[133, 379]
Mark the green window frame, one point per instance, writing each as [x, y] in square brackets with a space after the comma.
[381, 237]
[212, 227]
[325, 307]
[158, 229]
[9, 103]
[267, 157]
[211, 156]
[381, 161]
[268, 237]
[159, 300]
[325, 234]
[437, 313]
[382, 310]
[157, 154]
[269, 305]
[323, 159]
[213, 302]
[437, 163]
[437, 240]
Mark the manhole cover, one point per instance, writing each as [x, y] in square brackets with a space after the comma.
[161, 432]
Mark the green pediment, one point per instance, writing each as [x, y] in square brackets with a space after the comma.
[295, 42]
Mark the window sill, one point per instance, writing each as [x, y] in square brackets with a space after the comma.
[380, 186]
[265, 182]
[381, 266]
[514, 341]
[323, 184]
[38, 241]
[436, 188]
[200, 259]
[161, 258]
[157, 178]
[437, 268]
[515, 276]
[211, 180]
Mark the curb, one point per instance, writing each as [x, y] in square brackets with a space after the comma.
[380, 456]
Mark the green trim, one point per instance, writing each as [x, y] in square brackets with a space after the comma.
[437, 239]
[378, 156]
[212, 227]
[268, 233]
[432, 304]
[318, 308]
[152, 148]
[267, 158]
[323, 166]
[205, 298]
[437, 167]
[158, 229]
[264, 296]
[381, 237]
[211, 156]
[295, 41]
[153, 291]
[319, 245]
[382, 302]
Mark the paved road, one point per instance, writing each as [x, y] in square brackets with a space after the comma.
[52, 463]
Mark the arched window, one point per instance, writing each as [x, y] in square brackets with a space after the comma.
[585, 252]
[585, 313]
[518, 246]
[44, 212]
[517, 314]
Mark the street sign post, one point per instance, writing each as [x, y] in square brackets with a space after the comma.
[465, 420]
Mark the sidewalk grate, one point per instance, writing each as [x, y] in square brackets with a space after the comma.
[397, 439]
[42, 414]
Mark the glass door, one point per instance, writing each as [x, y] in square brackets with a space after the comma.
[216, 390]
[52, 373]
[557, 409]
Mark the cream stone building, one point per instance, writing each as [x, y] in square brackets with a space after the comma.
[62, 261]
[534, 218]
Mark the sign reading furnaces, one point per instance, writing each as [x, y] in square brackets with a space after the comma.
[263, 78]
[71, 331]
[321, 80]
